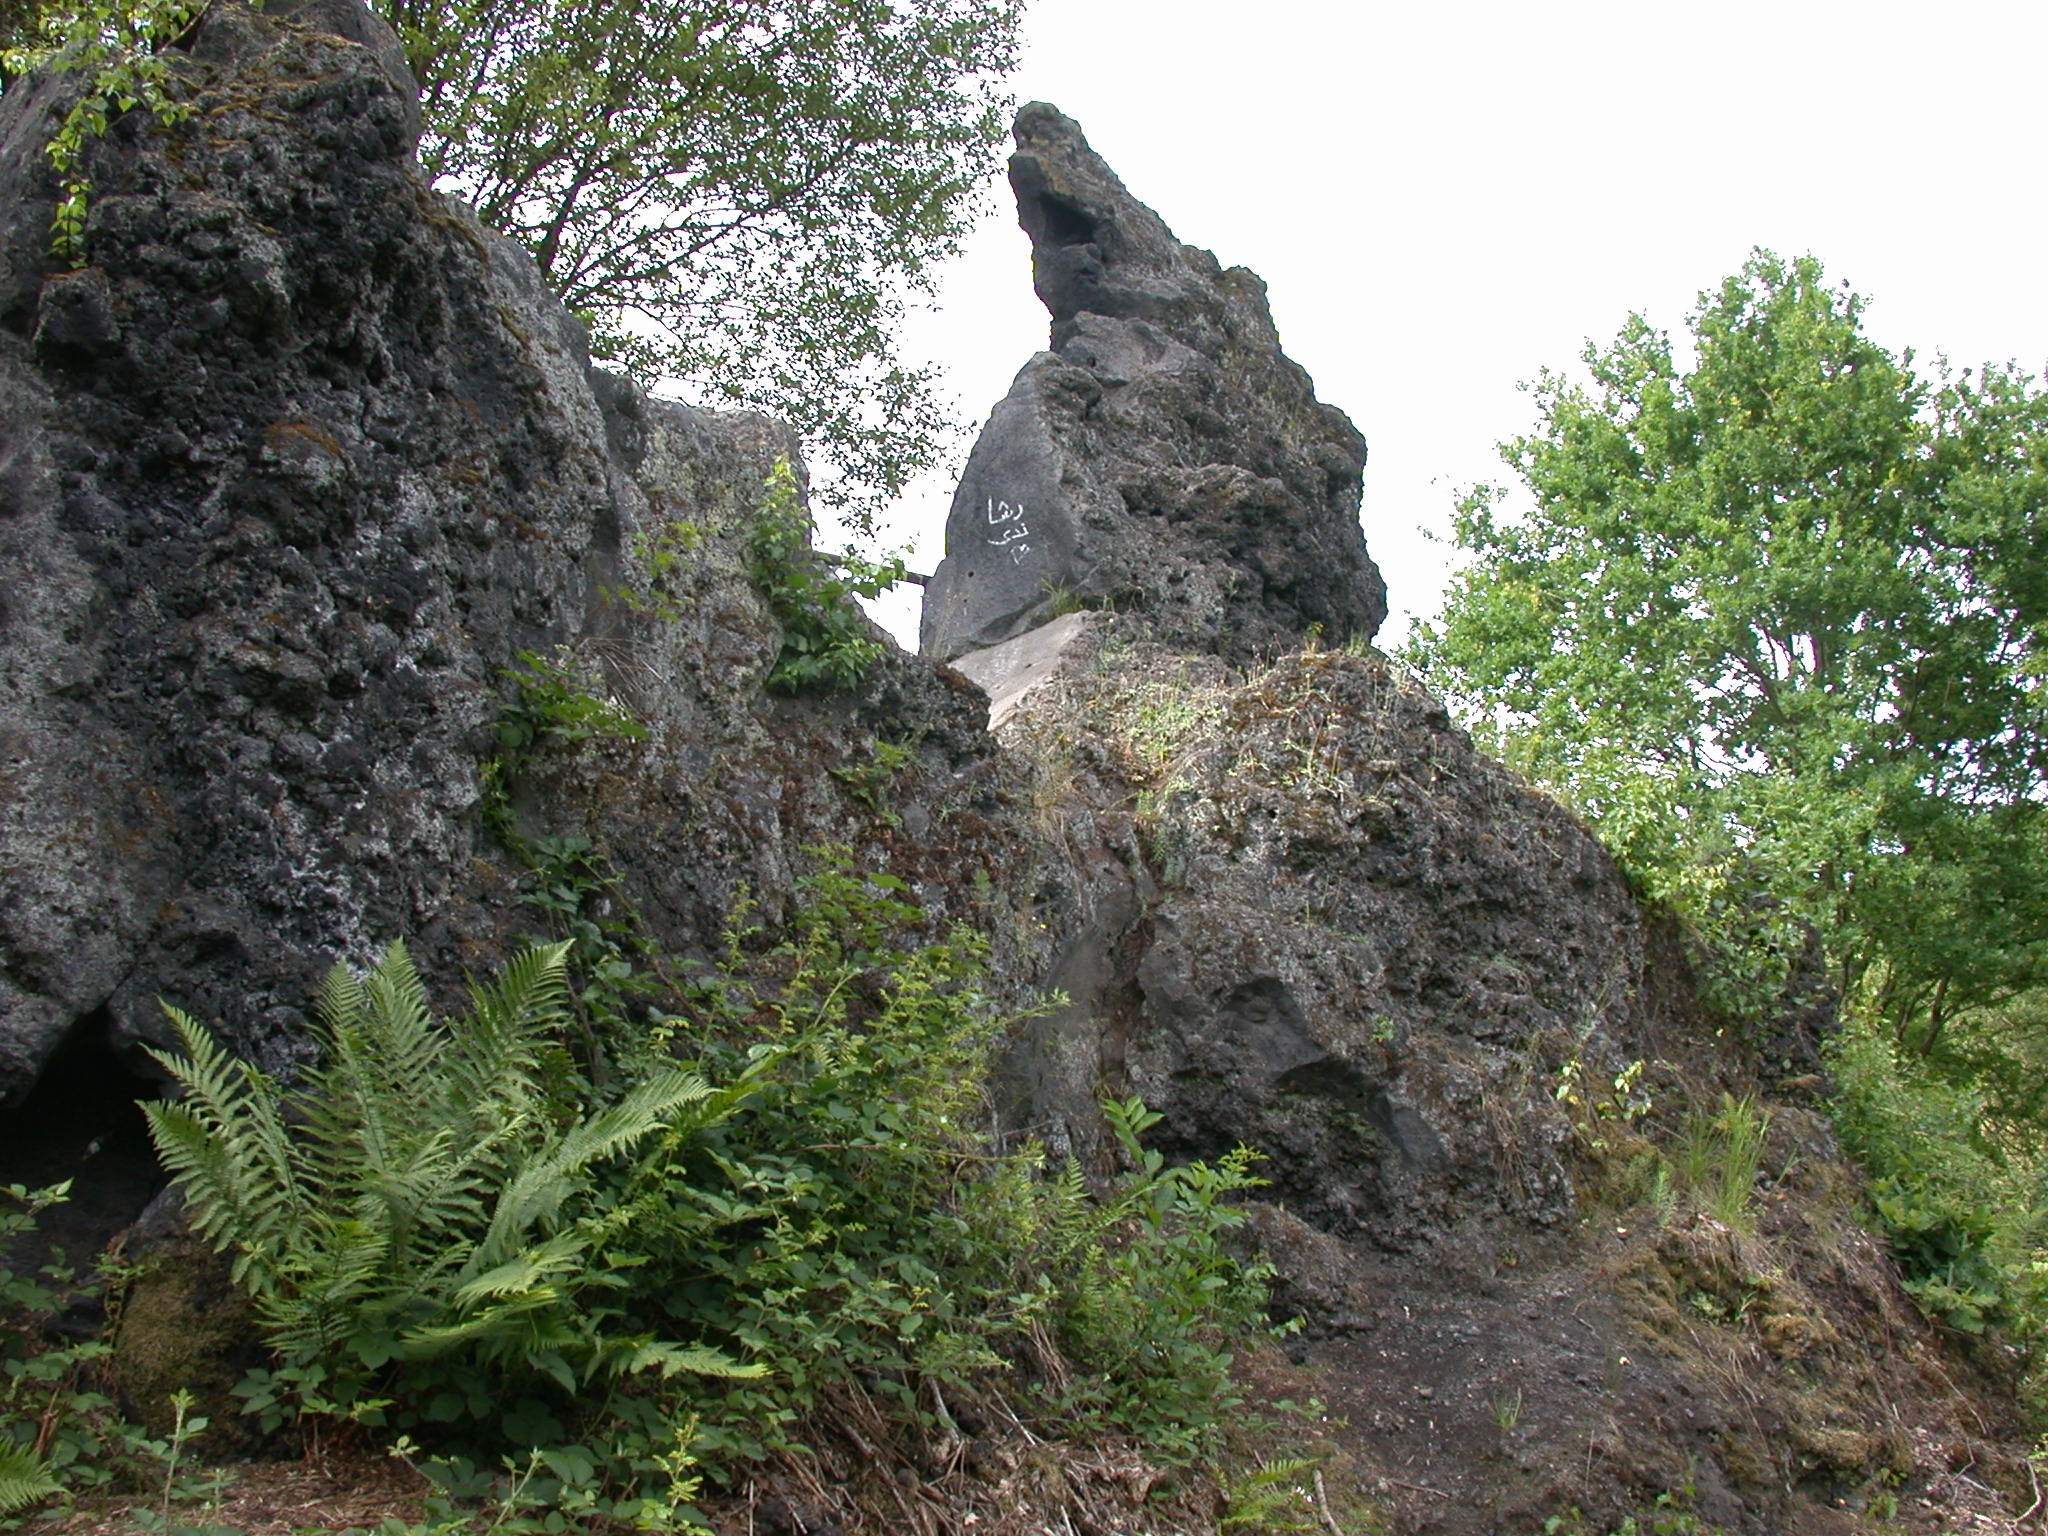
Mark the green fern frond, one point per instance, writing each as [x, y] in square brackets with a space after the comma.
[677, 1359]
[501, 1036]
[329, 1279]
[507, 1308]
[537, 1192]
[365, 1104]
[559, 1256]
[225, 1141]
[24, 1480]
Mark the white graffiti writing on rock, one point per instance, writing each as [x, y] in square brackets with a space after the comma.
[1012, 533]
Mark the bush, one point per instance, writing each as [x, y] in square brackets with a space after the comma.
[855, 1227]
[1965, 1215]
[441, 1223]
[827, 642]
[415, 1219]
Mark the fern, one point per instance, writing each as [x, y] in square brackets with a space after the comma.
[226, 1142]
[24, 1480]
[424, 1207]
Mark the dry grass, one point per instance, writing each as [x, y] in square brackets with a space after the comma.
[333, 1492]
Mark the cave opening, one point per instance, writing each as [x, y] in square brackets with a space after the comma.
[81, 1122]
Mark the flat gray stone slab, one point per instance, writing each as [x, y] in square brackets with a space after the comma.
[1008, 673]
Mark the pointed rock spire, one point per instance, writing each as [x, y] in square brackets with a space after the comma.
[1164, 458]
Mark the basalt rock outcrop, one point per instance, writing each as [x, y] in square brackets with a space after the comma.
[1295, 910]
[1164, 457]
[304, 469]
[295, 469]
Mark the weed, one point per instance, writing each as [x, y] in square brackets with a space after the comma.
[1507, 1411]
[447, 1229]
[1671, 1515]
[1718, 1155]
[205, 1491]
[659, 552]
[1271, 1497]
[556, 702]
[1963, 1212]
[827, 642]
[56, 1433]
[868, 782]
[1061, 599]
[1600, 1107]
[1054, 787]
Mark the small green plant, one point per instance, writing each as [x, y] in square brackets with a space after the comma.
[173, 1490]
[1718, 1155]
[660, 552]
[419, 1202]
[868, 782]
[1671, 1515]
[578, 1281]
[1062, 598]
[1507, 1411]
[827, 642]
[1600, 1107]
[57, 1433]
[1144, 1292]
[554, 702]
[116, 47]
[1164, 723]
[1270, 1498]
[25, 1477]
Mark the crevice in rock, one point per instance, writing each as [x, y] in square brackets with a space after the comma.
[81, 1122]
[1060, 222]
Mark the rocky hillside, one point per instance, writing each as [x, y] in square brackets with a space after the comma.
[314, 514]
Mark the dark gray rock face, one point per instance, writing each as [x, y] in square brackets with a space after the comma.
[1164, 457]
[292, 472]
[1319, 924]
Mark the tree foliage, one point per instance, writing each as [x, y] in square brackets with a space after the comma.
[1774, 617]
[734, 194]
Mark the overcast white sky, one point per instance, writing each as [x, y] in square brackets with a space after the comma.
[1446, 198]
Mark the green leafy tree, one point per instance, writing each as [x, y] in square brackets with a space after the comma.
[736, 195]
[1774, 618]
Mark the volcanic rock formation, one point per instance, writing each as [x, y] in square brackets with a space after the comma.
[304, 471]
[1296, 911]
[1165, 457]
[295, 470]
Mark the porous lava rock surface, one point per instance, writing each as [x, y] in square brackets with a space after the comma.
[1296, 911]
[1164, 456]
[296, 467]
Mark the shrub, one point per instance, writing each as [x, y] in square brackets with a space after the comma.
[854, 1226]
[414, 1218]
[1965, 1215]
[437, 1226]
[827, 642]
